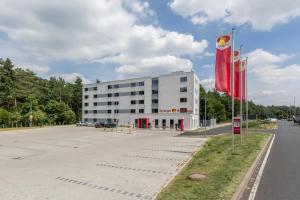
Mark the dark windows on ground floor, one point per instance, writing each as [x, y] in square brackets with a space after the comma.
[141, 110]
[154, 110]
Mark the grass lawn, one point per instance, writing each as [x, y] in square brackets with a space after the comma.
[224, 169]
[260, 124]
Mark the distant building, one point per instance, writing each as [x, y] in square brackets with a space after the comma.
[165, 101]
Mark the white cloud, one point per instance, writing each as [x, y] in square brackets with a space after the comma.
[208, 84]
[155, 66]
[71, 77]
[208, 66]
[199, 20]
[270, 79]
[34, 68]
[89, 31]
[262, 15]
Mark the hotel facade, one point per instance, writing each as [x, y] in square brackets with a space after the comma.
[165, 102]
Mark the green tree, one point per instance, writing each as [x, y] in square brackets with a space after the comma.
[7, 79]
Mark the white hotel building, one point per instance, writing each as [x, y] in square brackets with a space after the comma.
[148, 102]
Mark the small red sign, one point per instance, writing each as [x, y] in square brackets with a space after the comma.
[237, 125]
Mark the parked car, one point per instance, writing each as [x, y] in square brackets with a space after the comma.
[81, 124]
[100, 125]
[89, 124]
[111, 125]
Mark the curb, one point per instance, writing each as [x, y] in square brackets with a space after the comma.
[179, 170]
[241, 188]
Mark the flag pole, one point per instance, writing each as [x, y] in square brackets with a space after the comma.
[246, 95]
[241, 92]
[232, 84]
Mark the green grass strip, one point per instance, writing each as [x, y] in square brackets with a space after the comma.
[224, 169]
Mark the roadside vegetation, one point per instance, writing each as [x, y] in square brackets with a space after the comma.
[260, 124]
[50, 101]
[223, 168]
[219, 107]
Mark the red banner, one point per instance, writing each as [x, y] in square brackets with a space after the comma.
[237, 75]
[223, 64]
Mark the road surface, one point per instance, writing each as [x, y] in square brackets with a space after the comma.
[281, 176]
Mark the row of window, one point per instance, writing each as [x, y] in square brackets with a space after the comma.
[117, 94]
[124, 85]
[90, 89]
[109, 103]
[134, 84]
[137, 102]
[182, 110]
[114, 111]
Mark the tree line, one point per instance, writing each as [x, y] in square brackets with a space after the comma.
[49, 101]
[219, 107]
[55, 101]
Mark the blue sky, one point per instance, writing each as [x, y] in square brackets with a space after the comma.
[116, 39]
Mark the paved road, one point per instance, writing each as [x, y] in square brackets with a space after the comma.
[281, 176]
[63, 163]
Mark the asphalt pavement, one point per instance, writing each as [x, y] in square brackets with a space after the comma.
[281, 176]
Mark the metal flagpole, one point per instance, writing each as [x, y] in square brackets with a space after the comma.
[232, 83]
[246, 95]
[241, 92]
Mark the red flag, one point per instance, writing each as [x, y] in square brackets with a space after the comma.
[223, 64]
[237, 76]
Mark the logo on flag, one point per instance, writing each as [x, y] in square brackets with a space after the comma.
[223, 41]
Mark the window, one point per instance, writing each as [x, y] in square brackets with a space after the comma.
[116, 103]
[183, 79]
[183, 89]
[141, 83]
[86, 112]
[141, 110]
[183, 100]
[141, 101]
[86, 89]
[109, 103]
[109, 95]
[109, 86]
[95, 88]
[86, 104]
[116, 94]
[132, 102]
[95, 104]
[95, 96]
[132, 84]
[154, 91]
[108, 111]
[183, 110]
[132, 110]
[133, 93]
[154, 100]
[116, 111]
[86, 96]
[154, 110]
[141, 92]
[116, 86]
[95, 111]
[154, 82]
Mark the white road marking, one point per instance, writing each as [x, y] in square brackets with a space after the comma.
[259, 175]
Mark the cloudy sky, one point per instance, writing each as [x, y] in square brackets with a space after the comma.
[115, 39]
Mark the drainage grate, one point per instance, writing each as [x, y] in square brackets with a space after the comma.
[135, 169]
[106, 189]
[150, 157]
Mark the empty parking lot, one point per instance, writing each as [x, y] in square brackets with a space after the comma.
[85, 163]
